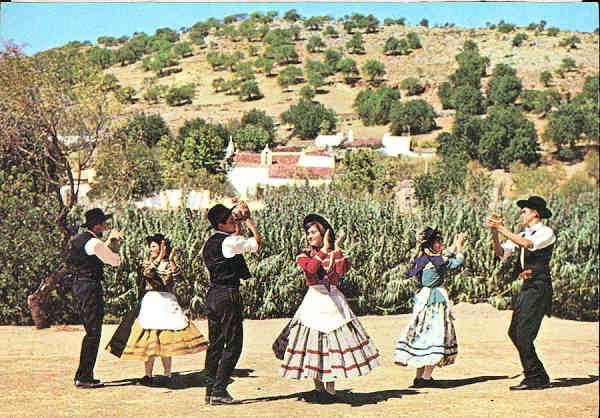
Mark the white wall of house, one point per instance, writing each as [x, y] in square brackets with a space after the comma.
[245, 179]
[316, 161]
[395, 145]
[323, 141]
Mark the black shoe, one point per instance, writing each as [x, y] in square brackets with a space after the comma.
[208, 396]
[532, 385]
[424, 383]
[222, 398]
[94, 384]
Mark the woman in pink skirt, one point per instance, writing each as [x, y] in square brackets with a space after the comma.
[326, 340]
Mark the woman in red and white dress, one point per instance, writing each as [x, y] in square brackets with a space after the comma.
[326, 340]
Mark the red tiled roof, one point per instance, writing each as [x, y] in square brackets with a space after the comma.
[364, 142]
[293, 171]
[254, 158]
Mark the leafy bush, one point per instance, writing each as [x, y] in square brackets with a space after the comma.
[412, 85]
[178, 96]
[373, 106]
[415, 117]
[309, 119]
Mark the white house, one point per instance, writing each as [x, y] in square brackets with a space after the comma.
[250, 172]
[324, 141]
[395, 145]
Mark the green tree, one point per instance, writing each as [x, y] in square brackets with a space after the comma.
[178, 96]
[183, 49]
[507, 136]
[565, 126]
[309, 119]
[356, 45]
[259, 118]
[360, 171]
[252, 138]
[290, 75]
[504, 86]
[518, 39]
[315, 44]
[291, 15]
[415, 117]
[412, 85]
[331, 32]
[118, 167]
[331, 59]
[467, 99]
[413, 40]
[147, 129]
[249, 90]
[373, 106]
[546, 78]
[374, 70]
[202, 148]
[348, 67]
[307, 93]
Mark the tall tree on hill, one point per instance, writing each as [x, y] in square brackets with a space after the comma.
[45, 100]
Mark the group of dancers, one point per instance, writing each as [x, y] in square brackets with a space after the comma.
[324, 341]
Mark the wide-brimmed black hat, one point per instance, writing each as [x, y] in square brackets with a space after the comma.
[536, 203]
[218, 215]
[314, 217]
[95, 217]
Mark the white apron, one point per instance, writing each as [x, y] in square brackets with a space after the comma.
[324, 310]
[160, 310]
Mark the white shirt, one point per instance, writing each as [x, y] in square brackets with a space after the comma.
[540, 236]
[98, 248]
[237, 244]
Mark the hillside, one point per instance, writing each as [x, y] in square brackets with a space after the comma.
[432, 65]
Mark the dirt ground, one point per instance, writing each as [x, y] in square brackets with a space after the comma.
[37, 368]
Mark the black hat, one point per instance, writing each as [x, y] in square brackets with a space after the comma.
[218, 215]
[95, 217]
[536, 203]
[313, 217]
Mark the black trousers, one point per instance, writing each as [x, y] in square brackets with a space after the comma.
[89, 302]
[532, 303]
[225, 334]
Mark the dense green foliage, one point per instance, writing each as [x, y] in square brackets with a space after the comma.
[373, 106]
[310, 119]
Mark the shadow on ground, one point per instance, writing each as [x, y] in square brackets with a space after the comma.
[342, 397]
[563, 382]
[455, 383]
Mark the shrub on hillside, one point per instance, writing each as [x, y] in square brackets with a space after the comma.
[310, 119]
[373, 106]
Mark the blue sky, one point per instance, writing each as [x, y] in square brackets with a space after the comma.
[46, 25]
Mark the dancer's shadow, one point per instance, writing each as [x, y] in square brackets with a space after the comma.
[131, 381]
[199, 378]
[342, 397]
[454, 383]
[563, 382]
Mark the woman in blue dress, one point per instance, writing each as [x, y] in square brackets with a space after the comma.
[429, 339]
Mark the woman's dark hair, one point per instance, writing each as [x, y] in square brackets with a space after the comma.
[428, 236]
[322, 231]
[158, 238]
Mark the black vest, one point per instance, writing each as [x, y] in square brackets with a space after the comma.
[539, 262]
[85, 267]
[224, 272]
